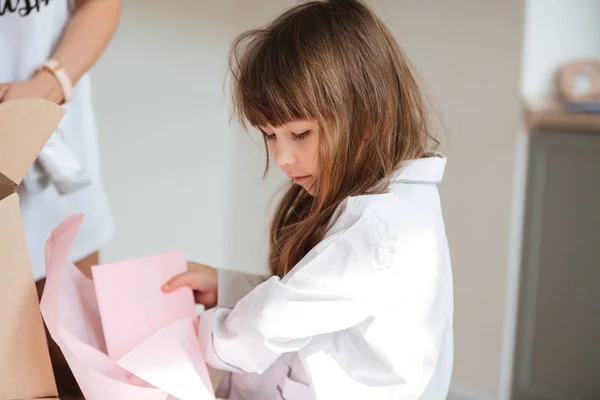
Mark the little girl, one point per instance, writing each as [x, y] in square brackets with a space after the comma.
[360, 303]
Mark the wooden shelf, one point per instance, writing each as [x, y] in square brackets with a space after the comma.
[551, 120]
[551, 116]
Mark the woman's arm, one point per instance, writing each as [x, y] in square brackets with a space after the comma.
[85, 38]
[87, 34]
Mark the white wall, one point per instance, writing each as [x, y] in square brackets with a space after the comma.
[556, 32]
[165, 139]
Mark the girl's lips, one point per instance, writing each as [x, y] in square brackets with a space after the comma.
[299, 179]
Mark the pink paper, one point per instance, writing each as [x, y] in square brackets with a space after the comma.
[180, 359]
[165, 364]
[132, 304]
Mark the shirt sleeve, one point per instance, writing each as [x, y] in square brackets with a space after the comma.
[322, 294]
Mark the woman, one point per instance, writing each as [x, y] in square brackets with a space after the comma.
[47, 48]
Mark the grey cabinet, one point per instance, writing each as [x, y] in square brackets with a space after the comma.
[558, 329]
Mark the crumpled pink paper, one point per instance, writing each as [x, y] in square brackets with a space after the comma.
[166, 364]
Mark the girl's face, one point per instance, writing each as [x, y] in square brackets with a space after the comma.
[294, 147]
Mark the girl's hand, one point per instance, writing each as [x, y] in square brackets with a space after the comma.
[202, 279]
[43, 85]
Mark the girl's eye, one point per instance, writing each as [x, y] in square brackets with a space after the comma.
[299, 136]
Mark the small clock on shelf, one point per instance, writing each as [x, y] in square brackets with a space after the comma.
[579, 82]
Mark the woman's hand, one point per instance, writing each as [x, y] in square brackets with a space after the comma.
[202, 279]
[42, 85]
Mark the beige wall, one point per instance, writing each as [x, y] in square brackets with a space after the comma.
[164, 131]
[178, 175]
[469, 54]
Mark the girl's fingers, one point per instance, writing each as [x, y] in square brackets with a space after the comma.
[188, 279]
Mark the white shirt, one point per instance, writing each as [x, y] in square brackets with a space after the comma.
[366, 314]
[29, 33]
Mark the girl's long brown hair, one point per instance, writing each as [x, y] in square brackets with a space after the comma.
[334, 62]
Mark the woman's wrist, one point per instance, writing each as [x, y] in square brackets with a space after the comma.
[47, 86]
